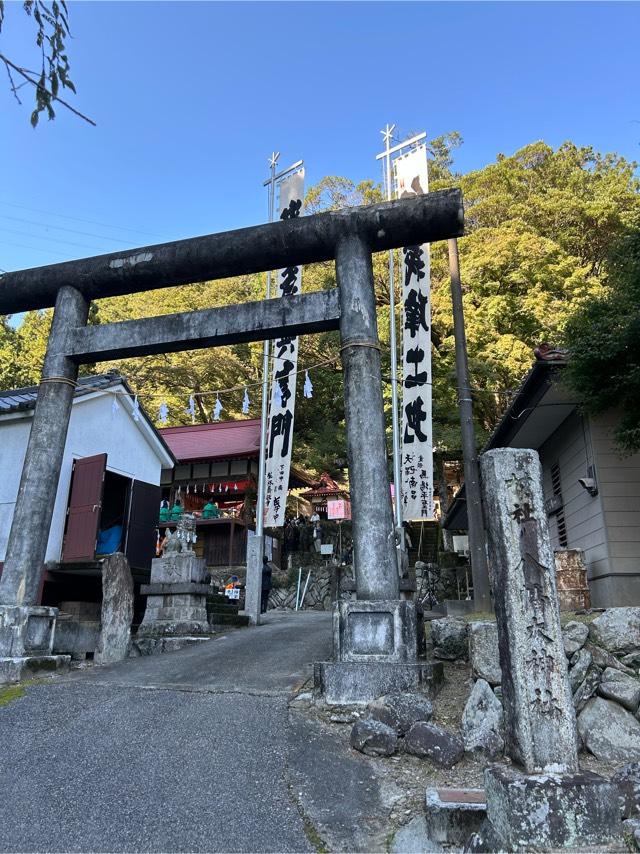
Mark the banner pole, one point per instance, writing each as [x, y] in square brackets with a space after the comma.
[265, 373]
[397, 480]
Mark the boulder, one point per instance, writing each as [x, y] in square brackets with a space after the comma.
[632, 660]
[580, 663]
[587, 688]
[627, 779]
[483, 722]
[374, 738]
[617, 630]
[610, 732]
[484, 656]
[574, 636]
[401, 711]
[432, 742]
[624, 689]
[413, 838]
[631, 833]
[604, 659]
[449, 638]
[116, 616]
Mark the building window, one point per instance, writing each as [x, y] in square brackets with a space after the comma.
[556, 486]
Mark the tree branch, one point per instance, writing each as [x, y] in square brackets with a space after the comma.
[23, 73]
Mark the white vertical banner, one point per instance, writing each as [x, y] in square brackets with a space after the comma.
[283, 375]
[412, 179]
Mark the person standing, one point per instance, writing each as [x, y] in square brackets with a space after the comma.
[266, 584]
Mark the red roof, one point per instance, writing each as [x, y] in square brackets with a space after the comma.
[220, 440]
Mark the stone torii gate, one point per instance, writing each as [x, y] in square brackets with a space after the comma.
[376, 630]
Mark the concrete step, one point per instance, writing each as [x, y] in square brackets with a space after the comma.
[219, 619]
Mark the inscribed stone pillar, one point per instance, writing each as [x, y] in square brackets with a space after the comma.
[539, 713]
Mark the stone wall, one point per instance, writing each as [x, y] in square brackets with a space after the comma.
[604, 673]
[320, 591]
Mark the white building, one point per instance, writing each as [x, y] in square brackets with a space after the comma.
[110, 473]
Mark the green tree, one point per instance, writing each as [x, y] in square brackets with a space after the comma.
[603, 337]
[51, 35]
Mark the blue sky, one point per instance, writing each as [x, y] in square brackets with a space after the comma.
[190, 99]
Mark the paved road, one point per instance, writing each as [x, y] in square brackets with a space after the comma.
[180, 752]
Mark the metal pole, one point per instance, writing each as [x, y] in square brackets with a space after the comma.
[304, 592]
[374, 548]
[477, 538]
[27, 546]
[397, 479]
[298, 588]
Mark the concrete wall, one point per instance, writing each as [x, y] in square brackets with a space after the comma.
[606, 527]
[619, 486]
[92, 430]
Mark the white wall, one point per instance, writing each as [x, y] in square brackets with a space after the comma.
[92, 430]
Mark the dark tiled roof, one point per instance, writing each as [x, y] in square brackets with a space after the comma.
[18, 399]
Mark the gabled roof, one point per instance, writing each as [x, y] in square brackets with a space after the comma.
[220, 440]
[24, 399]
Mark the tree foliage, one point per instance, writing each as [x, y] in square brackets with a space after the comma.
[540, 225]
[603, 337]
[51, 36]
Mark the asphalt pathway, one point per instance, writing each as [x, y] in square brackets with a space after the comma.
[185, 751]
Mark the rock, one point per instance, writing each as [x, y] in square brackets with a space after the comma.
[574, 635]
[627, 779]
[587, 689]
[117, 610]
[580, 663]
[434, 743]
[621, 688]
[631, 833]
[401, 711]
[604, 659]
[374, 738]
[632, 660]
[610, 732]
[617, 630]
[484, 656]
[413, 838]
[482, 722]
[449, 637]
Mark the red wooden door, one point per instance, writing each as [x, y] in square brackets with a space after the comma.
[144, 507]
[85, 503]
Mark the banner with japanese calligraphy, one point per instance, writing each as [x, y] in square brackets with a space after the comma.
[283, 375]
[417, 438]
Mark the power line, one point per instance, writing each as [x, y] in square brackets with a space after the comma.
[86, 221]
[51, 239]
[34, 248]
[61, 228]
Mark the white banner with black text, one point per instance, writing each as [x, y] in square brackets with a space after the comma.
[283, 375]
[417, 437]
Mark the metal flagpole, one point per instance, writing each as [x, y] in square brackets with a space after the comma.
[397, 480]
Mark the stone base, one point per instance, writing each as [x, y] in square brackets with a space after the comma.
[26, 630]
[16, 669]
[379, 631]
[77, 638]
[178, 608]
[452, 815]
[345, 682]
[548, 812]
[173, 628]
[458, 607]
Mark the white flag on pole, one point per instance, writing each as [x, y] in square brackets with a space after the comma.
[417, 433]
[283, 375]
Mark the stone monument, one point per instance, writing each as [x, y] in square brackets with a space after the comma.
[177, 594]
[116, 613]
[547, 804]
